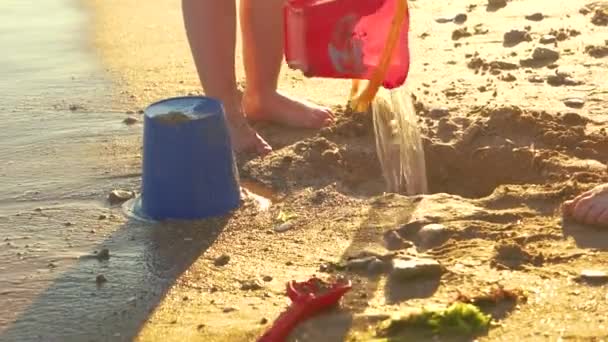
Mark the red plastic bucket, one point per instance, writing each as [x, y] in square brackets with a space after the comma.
[344, 39]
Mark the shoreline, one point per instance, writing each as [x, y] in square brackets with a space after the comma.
[494, 191]
[440, 78]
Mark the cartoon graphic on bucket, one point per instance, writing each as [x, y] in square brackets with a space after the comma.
[346, 48]
[346, 39]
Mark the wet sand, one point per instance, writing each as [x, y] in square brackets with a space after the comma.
[503, 149]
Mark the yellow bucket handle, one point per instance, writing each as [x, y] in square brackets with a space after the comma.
[362, 102]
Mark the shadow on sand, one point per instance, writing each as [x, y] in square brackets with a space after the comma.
[145, 261]
[385, 212]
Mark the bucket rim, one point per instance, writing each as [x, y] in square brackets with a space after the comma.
[212, 101]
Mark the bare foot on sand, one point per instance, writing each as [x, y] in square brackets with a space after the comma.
[590, 207]
[243, 137]
[281, 109]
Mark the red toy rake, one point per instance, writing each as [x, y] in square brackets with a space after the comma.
[307, 300]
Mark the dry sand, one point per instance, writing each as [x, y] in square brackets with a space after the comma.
[503, 150]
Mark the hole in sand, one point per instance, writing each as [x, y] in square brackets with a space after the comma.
[505, 145]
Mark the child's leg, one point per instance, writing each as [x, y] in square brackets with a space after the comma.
[262, 25]
[211, 29]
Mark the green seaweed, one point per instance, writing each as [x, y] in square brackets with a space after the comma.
[458, 319]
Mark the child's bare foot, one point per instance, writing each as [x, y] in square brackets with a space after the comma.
[243, 137]
[278, 108]
[590, 207]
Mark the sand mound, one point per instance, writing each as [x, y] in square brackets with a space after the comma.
[504, 145]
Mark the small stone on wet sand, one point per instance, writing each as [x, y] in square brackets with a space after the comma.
[431, 234]
[130, 120]
[536, 79]
[496, 4]
[443, 20]
[222, 260]
[120, 196]
[104, 254]
[460, 18]
[251, 285]
[542, 54]
[593, 276]
[414, 268]
[548, 39]
[574, 102]
[535, 17]
[283, 227]
[461, 33]
[597, 51]
[515, 37]
[100, 279]
[561, 80]
[439, 112]
[362, 263]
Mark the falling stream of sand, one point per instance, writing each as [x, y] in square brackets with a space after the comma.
[398, 142]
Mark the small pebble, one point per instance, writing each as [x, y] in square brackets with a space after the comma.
[439, 112]
[101, 279]
[130, 120]
[508, 78]
[251, 285]
[120, 196]
[593, 276]
[542, 54]
[548, 39]
[460, 18]
[443, 20]
[460, 33]
[495, 4]
[222, 260]
[283, 227]
[515, 37]
[104, 254]
[267, 278]
[431, 234]
[416, 268]
[536, 79]
[264, 320]
[361, 263]
[573, 119]
[574, 102]
[229, 309]
[535, 17]
[75, 107]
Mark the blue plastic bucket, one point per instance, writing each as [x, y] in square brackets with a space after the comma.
[189, 171]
